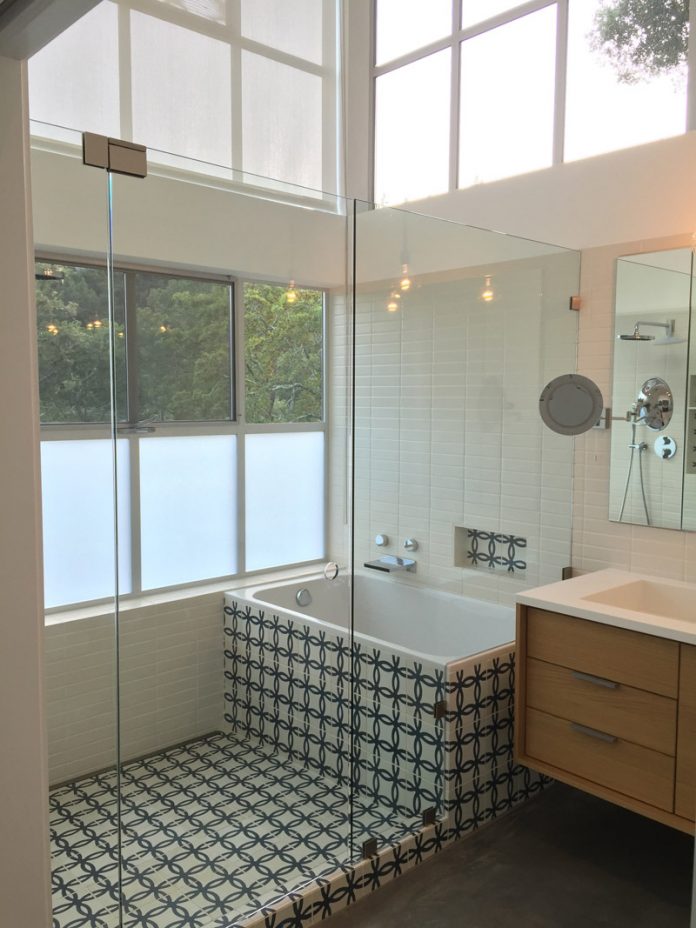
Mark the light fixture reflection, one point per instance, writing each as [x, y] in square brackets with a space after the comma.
[488, 293]
[291, 295]
[405, 282]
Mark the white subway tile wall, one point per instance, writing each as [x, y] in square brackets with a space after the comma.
[447, 426]
[171, 686]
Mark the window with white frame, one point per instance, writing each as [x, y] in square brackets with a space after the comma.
[249, 85]
[470, 91]
[218, 473]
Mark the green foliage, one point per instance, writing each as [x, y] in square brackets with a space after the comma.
[73, 342]
[183, 349]
[283, 354]
[642, 38]
[183, 345]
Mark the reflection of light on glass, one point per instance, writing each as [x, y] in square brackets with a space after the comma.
[487, 293]
[90, 325]
[120, 334]
[97, 324]
[291, 295]
[405, 282]
[163, 328]
[53, 329]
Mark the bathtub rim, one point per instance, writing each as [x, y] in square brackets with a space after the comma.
[248, 595]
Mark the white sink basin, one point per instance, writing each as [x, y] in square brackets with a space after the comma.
[651, 597]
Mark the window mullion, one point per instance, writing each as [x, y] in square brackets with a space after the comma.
[240, 406]
[455, 90]
[234, 12]
[691, 73]
[132, 372]
[560, 78]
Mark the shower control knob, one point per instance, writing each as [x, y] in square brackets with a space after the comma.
[665, 447]
[411, 544]
[381, 540]
[331, 570]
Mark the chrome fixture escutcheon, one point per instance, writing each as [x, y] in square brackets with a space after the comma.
[331, 570]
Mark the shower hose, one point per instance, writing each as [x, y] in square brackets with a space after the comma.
[640, 448]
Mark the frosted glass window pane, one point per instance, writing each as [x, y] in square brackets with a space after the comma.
[188, 509]
[412, 130]
[604, 113]
[284, 499]
[294, 27]
[78, 520]
[475, 11]
[507, 99]
[73, 81]
[181, 90]
[281, 121]
[405, 25]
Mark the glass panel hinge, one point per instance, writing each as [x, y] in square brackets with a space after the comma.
[114, 155]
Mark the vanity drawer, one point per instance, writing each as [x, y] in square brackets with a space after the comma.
[627, 768]
[635, 659]
[685, 796]
[631, 714]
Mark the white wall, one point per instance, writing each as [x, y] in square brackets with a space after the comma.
[24, 856]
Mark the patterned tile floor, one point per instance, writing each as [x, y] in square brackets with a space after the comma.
[210, 832]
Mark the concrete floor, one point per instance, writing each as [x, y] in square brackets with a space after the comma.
[563, 860]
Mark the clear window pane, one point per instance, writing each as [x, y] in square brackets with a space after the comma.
[624, 88]
[182, 90]
[281, 122]
[73, 81]
[283, 335]
[476, 11]
[507, 99]
[294, 27]
[412, 130]
[72, 305]
[78, 520]
[405, 25]
[188, 509]
[183, 348]
[284, 499]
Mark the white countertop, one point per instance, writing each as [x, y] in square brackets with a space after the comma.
[570, 598]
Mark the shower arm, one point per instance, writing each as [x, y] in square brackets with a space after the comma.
[667, 326]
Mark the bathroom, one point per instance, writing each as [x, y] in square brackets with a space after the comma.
[262, 576]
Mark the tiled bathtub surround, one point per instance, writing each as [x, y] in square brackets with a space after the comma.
[482, 783]
[288, 685]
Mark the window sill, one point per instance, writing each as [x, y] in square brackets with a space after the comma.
[168, 597]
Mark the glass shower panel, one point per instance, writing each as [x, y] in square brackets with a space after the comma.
[235, 677]
[77, 312]
[462, 499]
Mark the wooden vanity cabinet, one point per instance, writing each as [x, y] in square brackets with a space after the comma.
[609, 711]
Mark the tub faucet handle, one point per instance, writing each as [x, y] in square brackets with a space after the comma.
[381, 540]
[411, 544]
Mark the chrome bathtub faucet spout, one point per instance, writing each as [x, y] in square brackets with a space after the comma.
[389, 563]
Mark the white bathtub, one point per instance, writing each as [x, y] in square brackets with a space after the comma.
[390, 613]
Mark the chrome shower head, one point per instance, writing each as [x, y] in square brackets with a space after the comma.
[668, 338]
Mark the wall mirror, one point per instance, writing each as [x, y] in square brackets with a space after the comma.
[653, 437]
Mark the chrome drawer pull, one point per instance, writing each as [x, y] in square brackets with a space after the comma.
[598, 681]
[593, 733]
